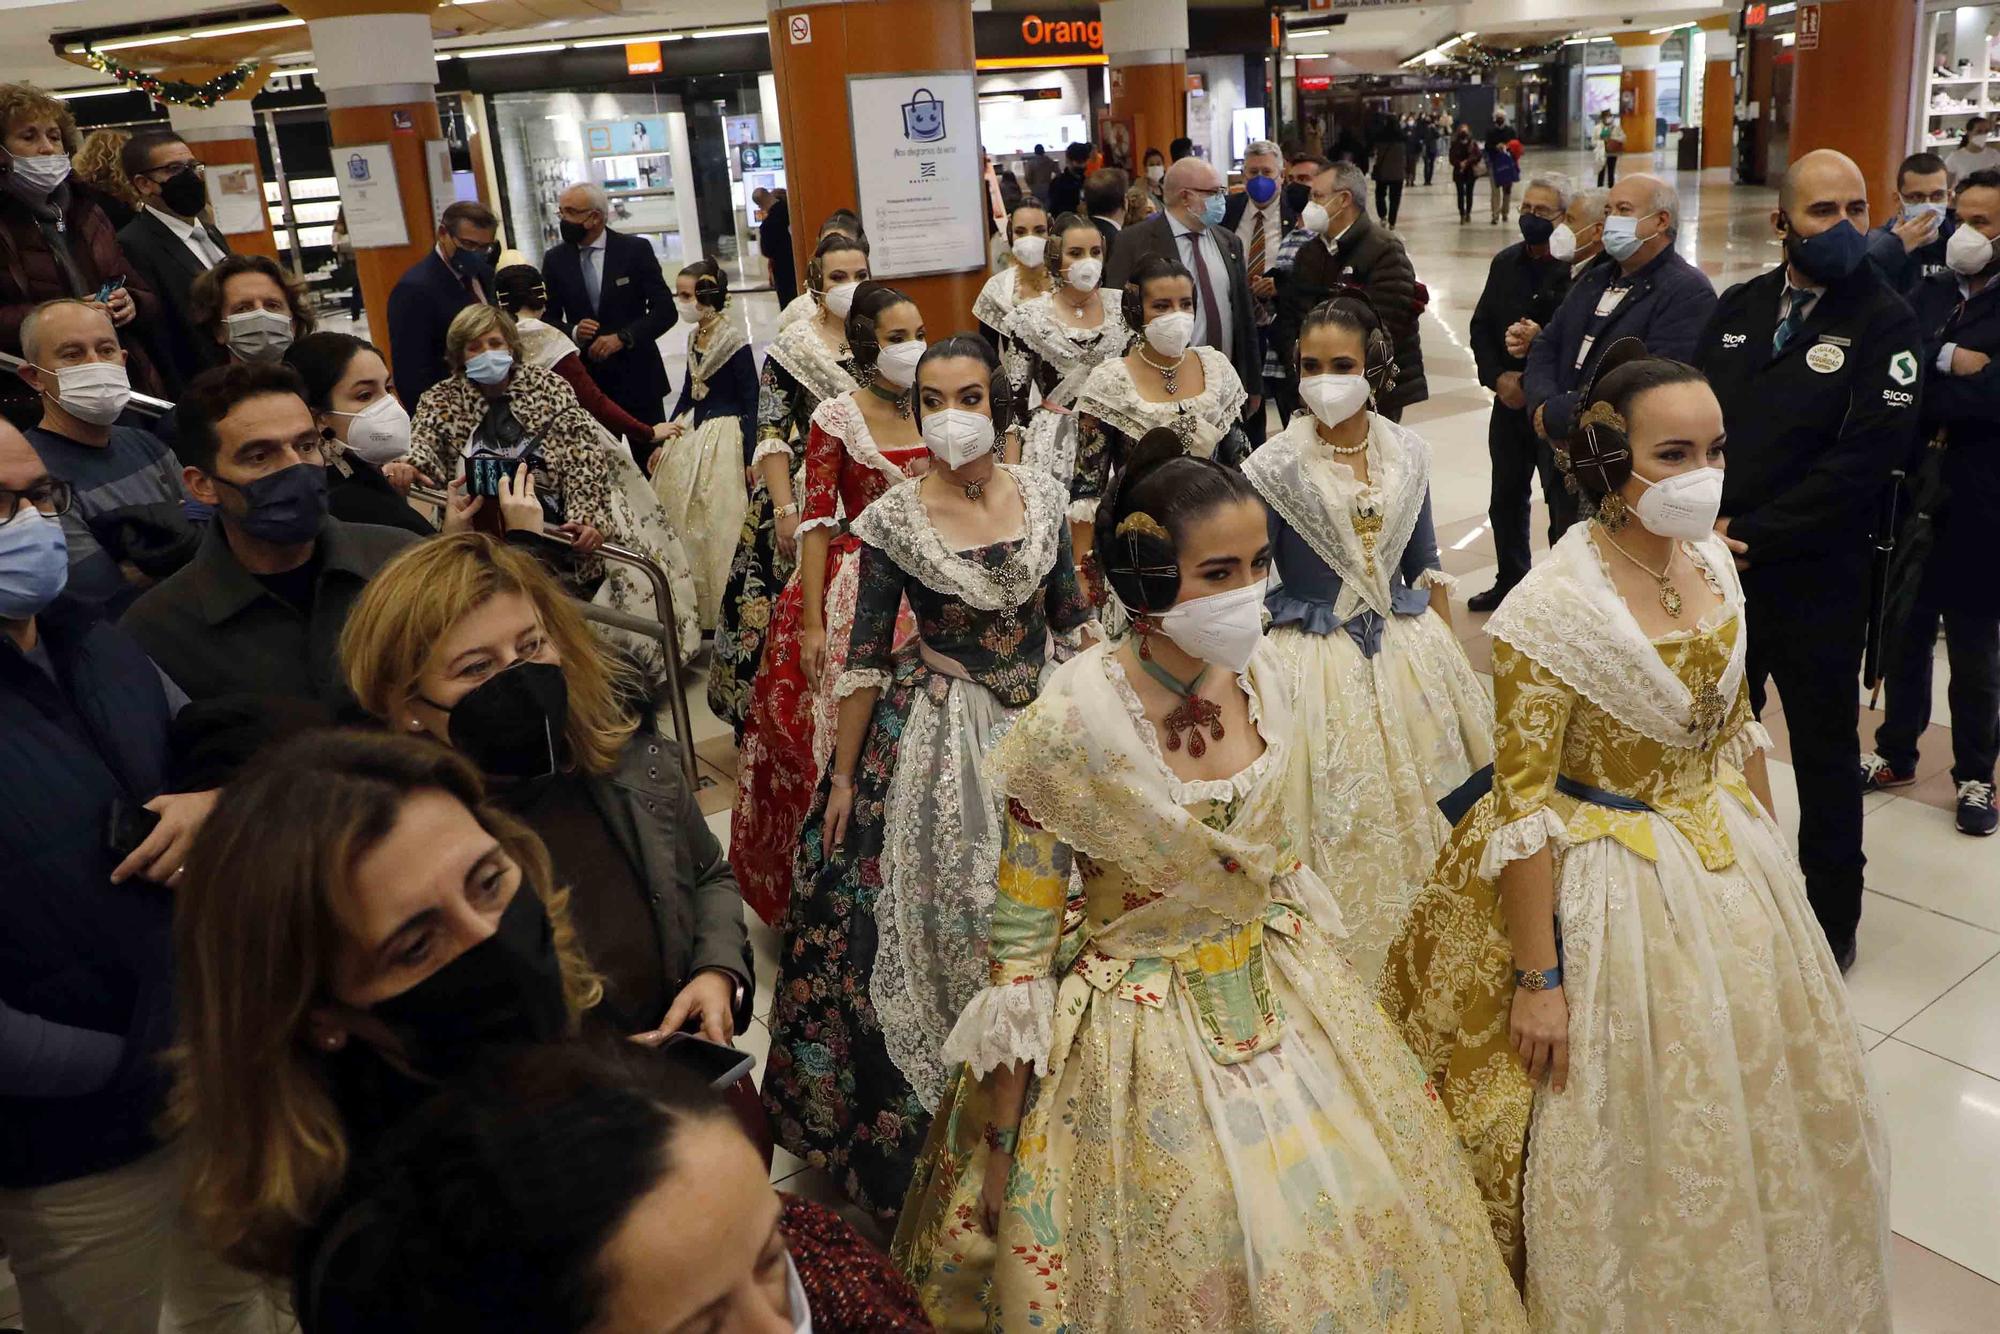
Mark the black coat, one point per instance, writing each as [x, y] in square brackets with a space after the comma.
[632, 300]
[1813, 435]
[1518, 286]
[1155, 236]
[1373, 259]
[180, 351]
[774, 243]
[421, 307]
[1965, 411]
[1066, 193]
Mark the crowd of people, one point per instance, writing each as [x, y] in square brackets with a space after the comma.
[1175, 930]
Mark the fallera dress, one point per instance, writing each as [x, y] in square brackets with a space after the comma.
[996, 301]
[699, 479]
[800, 372]
[789, 731]
[1390, 713]
[885, 942]
[1224, 1132]
[1717, 1161]
[1112, 416]
[1047, 363]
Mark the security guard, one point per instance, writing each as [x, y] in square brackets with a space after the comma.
[1817, 366]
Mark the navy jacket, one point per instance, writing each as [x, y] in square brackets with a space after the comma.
[86, 987]
[1668, 304]
[1965, 410]
[632, 300]
[1902, 269]
[421, 307]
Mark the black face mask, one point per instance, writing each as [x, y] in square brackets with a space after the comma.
[1536, 231]
[472, 263]
[512, 724]
[506, 990]
[185, 193]
[1297, 196]
[573, 233]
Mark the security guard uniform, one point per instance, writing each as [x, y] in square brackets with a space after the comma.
[1815, 429]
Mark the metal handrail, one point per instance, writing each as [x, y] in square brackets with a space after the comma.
[663, 628]
[143, 404]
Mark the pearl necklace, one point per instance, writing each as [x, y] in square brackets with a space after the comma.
[1168, 374]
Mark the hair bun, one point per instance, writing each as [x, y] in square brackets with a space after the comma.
[1155, 447]
[1621, 353]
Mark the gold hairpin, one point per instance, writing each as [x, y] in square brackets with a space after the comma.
[1602, 414]
[1141, 524]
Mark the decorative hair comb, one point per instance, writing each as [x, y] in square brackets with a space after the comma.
[1141, 524]
[1602, 413]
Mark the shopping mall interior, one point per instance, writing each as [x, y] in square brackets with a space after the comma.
[334, 132]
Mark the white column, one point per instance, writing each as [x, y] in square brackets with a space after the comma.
[1144, 32]
[374, 60]
[231, 118]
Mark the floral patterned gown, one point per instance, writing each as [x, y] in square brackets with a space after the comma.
[788, 732]
[1717, 1156]
[1047, 363]
[1224, 1132]
[800, 372]
[885, 942]
[1391, 715]
[1112, 416]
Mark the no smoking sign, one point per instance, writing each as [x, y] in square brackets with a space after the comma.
[801, 28]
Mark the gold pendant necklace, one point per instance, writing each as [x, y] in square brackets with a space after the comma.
[1670, 597]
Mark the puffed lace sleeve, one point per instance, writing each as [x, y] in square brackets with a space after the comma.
[1012, 1019]
[1743, 736]
[1531, 707]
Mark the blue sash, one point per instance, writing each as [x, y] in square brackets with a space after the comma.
[1462, 798]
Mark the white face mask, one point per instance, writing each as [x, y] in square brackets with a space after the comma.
[1314, 218]
[1029, 251]
[1156, 173]
[94, 392]
[1222, 628]
[1968, 251]
[1974, 141]
[39, 176]
[688, 309]
[1334, 398]
[840, 298]
[1682, 506]
[1170, 334]
[259, 335]
[795, 1293]
[1562, 243]
[379, 432]
[896, 363]
[1084, 274]
[958, 435]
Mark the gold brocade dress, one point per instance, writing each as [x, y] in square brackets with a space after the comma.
[1716, 1162]
[1225, 1133]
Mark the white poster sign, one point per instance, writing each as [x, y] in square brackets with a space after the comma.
[437, 166]
[916, 167]
[366, 174]
[237, 198]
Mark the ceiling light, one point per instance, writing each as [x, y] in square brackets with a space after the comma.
[1776, 10]
[126, 43]
[1672, 28]
[626, 41]
[300, 72]
[71, 94]
[237, 29]
[482, 52]
[747, 30]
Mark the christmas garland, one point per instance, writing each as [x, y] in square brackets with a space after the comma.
[175, 91]
[1471, 55]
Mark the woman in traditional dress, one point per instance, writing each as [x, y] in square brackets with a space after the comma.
[807, 364]
[698, 472]
[1390, 713]
[1221, 1129]
[885, 941]
[807, 304]
[1055, 341]
[1025, 278]
[1163, 381]
[1615, 969]
[860, 444]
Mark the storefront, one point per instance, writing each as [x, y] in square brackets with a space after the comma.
[1041, 81]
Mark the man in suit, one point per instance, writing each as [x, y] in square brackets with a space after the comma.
[456, 274]
[774, 243]
[606, 288]
[170, 246]
[1258, 216]
[1104, 202]
[1190, 232]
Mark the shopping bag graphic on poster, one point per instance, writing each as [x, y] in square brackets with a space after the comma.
[923, 117]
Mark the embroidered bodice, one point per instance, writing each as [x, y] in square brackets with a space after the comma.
[1056, 358]
[800, 373]
[845, 468]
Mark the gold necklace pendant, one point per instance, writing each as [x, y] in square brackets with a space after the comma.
[1670, 599]
[1368, 527]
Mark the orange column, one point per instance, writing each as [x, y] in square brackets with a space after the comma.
[224, 137]
[1718, 99]
[378, 69]
[1639, 62]
[1145, 44]
[862, 37]
[1852, 91]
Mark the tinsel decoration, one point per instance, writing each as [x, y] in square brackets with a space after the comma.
[1471, 55]
[174, 91]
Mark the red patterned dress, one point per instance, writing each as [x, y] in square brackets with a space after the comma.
[778, 765]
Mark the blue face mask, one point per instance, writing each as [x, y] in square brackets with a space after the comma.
[1261, 189]
[1212, 209]
[34, 564]
[284, 507]
[489, 368]
[1830, 256]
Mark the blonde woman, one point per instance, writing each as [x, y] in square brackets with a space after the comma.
[96, 164]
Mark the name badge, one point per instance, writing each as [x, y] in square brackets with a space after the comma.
[1825, 358]
[623, 281]
[1836, 340]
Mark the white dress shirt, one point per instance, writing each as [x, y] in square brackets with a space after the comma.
[193, 235]
[1218, 275]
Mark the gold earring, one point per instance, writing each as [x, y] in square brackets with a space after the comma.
[1612, 512]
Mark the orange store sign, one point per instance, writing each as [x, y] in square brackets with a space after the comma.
[1038, 31]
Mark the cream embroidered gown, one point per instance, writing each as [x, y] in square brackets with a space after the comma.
[1717, 1162]
[1047, 363]
[1391, 714]
[1225, 1133]
[700, 476]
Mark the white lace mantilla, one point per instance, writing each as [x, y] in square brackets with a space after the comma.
[1111, 397]
[725, 342]
[1300, 478]
[801, 307]
[841, 417]
[897, 524]
[1072, 351]
[1569, 618]
[544, 343]
[800, 350]
[998, 297]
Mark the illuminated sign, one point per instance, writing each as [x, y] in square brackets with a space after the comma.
[643, 58]
[1753, 15]
[1038, 31]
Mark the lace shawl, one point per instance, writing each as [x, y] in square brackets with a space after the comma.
[1073, 352]
[1298, 477]
[800, 350]
[727, 340]
[1111, 397]
[897, 524]
[996, 298]
[800, 307]
[544, 343]
[841, 418]
[1568, 617]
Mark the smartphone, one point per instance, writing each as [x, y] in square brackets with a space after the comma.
[127, 826]
[483, 473]
[721, 1065]
[104, 292]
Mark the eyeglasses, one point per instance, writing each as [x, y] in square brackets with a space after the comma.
[50, 496]
[1541, 211]
[173, 169]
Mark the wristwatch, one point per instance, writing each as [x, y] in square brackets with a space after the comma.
[1002, 1141]
[785, 511]
[1538, 979]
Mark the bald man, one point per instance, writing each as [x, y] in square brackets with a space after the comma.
[1818, 365]
[1191, 232]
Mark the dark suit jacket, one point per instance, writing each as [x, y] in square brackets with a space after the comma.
[633, 300]
[421, 307]
[180, 350]
[1232, 213]
[1109, 231]
[1155, 236]
[1372, 258]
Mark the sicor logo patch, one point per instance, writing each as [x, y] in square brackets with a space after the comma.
[1903, 368]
